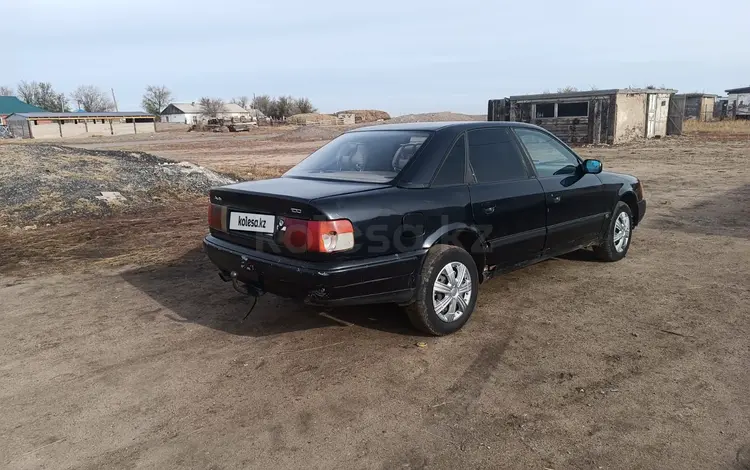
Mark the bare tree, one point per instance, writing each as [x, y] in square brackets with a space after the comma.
[284, 107]
[156, 99]
[567, 89]
[242, 101]
[6, 91]
[211, 107]
[263, 103]
[92, 99]
[304, 105]
[28, 92]
[42, 95]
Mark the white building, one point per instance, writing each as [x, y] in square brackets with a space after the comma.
[191, 113]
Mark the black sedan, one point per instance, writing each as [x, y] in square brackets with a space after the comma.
[419, 215]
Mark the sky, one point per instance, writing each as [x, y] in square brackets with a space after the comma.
[402, 56]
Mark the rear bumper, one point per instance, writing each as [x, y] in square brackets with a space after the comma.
[384, 279]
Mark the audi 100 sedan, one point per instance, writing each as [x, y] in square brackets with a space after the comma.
[419, 215]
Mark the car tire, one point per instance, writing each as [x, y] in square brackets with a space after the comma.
[441, 262]
[613, 247]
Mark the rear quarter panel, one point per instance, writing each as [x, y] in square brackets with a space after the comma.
[397, 220]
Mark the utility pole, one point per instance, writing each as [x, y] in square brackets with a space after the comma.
[114, 99]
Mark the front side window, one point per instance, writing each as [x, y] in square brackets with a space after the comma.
[494, 156]
[370, 156]
[550, 157]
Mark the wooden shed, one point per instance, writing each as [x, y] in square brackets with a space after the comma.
[594, 117]
[699, 106]
[738, 102]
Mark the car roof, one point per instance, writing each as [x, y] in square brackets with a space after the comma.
[435, 126]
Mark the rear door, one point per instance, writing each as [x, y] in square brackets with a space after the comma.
[507, 201]
[576, 208]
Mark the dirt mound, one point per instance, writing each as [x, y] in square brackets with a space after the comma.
[311, 118]
[42, 184]
[313, 133]
[437, 117]
[367, 115]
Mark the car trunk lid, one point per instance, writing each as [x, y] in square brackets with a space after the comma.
[253, 214]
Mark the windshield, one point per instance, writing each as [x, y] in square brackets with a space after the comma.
[373, 156]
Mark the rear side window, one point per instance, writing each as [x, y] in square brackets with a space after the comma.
[494, 156]
[454, 166]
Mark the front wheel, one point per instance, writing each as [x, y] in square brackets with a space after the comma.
[447, 291]
[615, 244]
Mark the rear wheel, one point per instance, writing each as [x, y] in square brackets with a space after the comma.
[447, 291]
[615, 245]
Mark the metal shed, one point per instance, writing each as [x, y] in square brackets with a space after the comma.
[46, 125]
[594, 117]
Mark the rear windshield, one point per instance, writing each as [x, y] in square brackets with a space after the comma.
[372, 156]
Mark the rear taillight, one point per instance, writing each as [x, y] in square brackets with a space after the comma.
[216, 216]
[322, 236]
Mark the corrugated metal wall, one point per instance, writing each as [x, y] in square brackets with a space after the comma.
[19, 127]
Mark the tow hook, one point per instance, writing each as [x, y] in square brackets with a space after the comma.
[241, 287]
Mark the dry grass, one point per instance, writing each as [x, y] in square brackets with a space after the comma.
[253, 171]
[306, 118]
[367, 115]
[737, 127]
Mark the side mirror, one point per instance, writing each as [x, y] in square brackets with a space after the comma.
[592, 166]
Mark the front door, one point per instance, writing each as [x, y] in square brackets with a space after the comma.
[507, 201]
[576, 209]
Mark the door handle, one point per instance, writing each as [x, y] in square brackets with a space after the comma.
[554, 198]
[488, 209]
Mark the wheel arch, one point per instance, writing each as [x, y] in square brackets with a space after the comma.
[629, 198]
[465, 236]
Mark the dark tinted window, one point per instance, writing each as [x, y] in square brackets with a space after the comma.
[454, 166]
[573, 109]
[376, 156]
[494, 156]
[545, 110]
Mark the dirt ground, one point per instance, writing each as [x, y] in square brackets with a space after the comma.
[121, 348]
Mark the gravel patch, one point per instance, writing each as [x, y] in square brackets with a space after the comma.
[48, 184]
[311, 133]
[436, 117]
